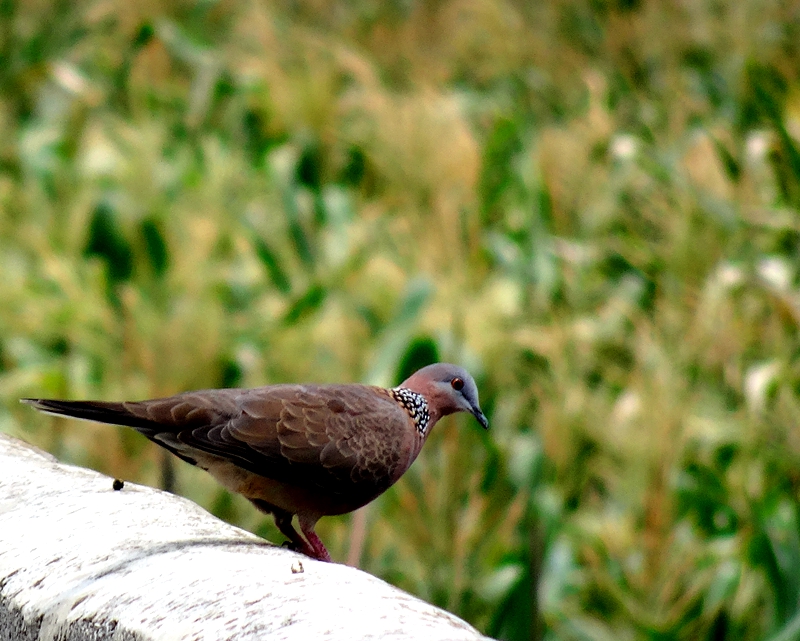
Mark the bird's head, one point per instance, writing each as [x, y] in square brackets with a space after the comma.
[447, 389]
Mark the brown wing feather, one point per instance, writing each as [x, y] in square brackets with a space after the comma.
[342, 439]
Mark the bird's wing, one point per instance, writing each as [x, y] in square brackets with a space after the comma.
[339, 435]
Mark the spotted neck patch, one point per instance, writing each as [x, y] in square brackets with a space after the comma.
[415, 405]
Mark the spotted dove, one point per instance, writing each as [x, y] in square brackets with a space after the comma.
[305, 450]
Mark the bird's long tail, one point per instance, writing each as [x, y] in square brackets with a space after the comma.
[114, 414]
[99, 411]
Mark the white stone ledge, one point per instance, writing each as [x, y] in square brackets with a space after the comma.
[80, 561]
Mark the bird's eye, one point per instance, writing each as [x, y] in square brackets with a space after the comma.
[457, 384]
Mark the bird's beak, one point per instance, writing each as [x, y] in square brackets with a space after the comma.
[480, 417]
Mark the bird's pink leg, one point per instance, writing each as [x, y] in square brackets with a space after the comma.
[283, 521]
[307, 526]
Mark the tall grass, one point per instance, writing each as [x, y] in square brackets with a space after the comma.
[593, 206]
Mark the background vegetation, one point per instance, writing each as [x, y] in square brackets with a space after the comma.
[593, 205]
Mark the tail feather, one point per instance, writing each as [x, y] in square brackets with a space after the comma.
[113, 414]
[99, 411]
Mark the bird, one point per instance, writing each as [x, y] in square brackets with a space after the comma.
[304, 450]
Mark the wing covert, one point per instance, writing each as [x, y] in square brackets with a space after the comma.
[343, 439]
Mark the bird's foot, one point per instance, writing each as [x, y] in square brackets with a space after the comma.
[318, 550]
[308, 550]
[310, 546]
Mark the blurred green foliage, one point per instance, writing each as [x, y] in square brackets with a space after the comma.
[591, 205]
